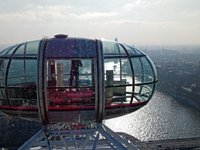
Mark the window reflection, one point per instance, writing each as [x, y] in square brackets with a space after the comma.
[8, 51]
[32, 48]
[20, 51]
[20, 96]
[70, 73]
[22, 73]
[143, 92]
[22, 82]
[3, 100]
[113, 49]
[3, 67]
[70, 82]
[148, 72]
[122, 65]
[16, 73]
[118, 80]
[138, 70]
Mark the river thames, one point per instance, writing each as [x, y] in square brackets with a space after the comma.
[162, 118]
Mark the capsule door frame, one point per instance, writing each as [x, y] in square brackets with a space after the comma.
[98, 83]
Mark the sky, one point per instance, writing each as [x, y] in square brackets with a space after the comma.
[138, 22]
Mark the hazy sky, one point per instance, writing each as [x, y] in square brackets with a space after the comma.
[141, 22]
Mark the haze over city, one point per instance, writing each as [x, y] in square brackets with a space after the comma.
[141, 22]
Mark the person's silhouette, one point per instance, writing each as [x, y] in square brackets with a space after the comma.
[74, 73]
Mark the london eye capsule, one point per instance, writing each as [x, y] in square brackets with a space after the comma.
[67, 79]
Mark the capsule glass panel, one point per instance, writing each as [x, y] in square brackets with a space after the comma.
[129, 78]
[32, 48]
[145, 77]
[20, 81]
[71, 74]
[112, 49]
[3, 68]
[148, 70]
[118, 79]
[8, 51]
[3, 100]
[138, 70]
[20, 51]
[143, 92]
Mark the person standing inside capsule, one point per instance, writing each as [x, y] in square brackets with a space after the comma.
[74, 73]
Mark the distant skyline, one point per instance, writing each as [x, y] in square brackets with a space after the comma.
[139, 22]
